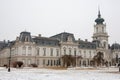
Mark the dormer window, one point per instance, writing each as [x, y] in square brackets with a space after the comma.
[26, 39]
[69, 39]
[104, 44]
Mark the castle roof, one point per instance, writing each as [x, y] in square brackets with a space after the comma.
[63, 36]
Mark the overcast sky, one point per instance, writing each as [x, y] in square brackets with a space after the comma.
[50, 17]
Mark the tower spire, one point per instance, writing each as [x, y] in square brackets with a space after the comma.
[99, 20]
[99, 15]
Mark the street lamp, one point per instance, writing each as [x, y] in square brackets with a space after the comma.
[9, 45]
[118, 64]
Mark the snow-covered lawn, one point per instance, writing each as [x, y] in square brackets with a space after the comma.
[50, 74]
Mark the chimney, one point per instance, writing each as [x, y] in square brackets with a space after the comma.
[8, 41]
[86, 40]
[4, 41]
[39, 35]
[17, 38]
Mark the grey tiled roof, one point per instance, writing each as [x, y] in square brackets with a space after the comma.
[46, 41]
[2, 44]
[6, 44]
[51, 41]
[86, 45]
[115, 46]
[63, 36]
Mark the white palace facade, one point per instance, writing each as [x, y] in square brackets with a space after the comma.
[47, 51]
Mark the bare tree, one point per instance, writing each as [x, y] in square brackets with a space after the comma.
[98, 59]
[68, 60]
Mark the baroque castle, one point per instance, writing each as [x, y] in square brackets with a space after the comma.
[47, 51]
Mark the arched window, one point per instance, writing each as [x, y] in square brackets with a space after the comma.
[38, 50]
[97, 29]
[104, 44]
[69, 51]
[75, 52]
[44, 51]
[102, 29]
[64, 51]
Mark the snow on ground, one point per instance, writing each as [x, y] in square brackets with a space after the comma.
[50, 74]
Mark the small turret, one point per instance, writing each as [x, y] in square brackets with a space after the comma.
[25, 37]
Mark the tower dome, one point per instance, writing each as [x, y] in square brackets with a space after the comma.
[99, 20]
[25, 37]
[115, 46]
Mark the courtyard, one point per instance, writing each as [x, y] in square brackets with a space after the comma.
[28, 73]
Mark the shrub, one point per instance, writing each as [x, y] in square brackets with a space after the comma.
[5, 65]
[34, 65]
[17, 64]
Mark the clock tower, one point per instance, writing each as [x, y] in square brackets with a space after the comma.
[100, 36]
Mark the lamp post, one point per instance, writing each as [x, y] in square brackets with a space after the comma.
[9, 45]
[76, 60]
[119, 64]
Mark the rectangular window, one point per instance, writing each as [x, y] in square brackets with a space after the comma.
[48, 63]
[51, 52]
[57, 51]
[80, 53]
[43, 61]
[29, 50]
[23, 60]
[44, 51]
[37, 61]
[85, 54]
[16, 52]
[38, 51]
[24, 50]
[12, 52]
[90, 53]
[29, 61]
